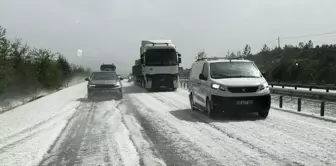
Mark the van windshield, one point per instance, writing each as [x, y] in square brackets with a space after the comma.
[220, 70]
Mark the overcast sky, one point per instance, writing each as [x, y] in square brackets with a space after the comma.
[111, 30]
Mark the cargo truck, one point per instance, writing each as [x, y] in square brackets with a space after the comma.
[157, 66]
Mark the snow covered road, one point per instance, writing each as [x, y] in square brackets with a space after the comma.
[156, 129]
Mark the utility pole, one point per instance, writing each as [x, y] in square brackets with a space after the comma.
[278, 41]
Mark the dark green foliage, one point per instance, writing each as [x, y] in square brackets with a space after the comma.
[23, 69]
[302, 64]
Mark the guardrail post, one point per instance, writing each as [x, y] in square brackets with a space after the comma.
[322, 108]
[310, 88]
[327, 90]
[283, 86]
[272, 85]
[299, 105]
[280, 101]
[295, 87]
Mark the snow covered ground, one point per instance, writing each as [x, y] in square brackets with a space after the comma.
[11, 101]
[156, 129]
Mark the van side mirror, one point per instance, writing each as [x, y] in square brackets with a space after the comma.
[142, 61]
[202, 77]
[178, 54]
[87, 79]
[263, 74]
[179, 60]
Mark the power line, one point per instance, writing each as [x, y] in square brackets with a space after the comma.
[304, 36]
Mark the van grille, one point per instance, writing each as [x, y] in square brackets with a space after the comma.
[243, 89]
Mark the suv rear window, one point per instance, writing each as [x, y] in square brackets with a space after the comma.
[104, 76]
[220, 70]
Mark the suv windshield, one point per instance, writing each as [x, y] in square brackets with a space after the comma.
[104, 76]
[161, 57]
[234, 69]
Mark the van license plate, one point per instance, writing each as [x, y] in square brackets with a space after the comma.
[244, 102]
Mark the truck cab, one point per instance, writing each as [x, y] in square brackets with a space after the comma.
[160, 61]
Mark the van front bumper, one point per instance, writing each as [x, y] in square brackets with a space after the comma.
[241, 104]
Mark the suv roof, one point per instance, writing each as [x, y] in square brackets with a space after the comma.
[104, 71]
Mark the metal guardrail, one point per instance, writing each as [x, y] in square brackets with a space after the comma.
[327, 87]
[305, 94]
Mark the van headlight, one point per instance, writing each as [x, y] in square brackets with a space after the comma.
[217, 86]
[263, 86]
[91, 86]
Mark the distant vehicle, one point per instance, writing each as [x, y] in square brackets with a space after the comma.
[120, 77]
[130, 78]
[158, 65]
[219, 84]
[108, 67]
[104, 83]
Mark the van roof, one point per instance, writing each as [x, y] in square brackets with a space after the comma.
[221, 59]
[228, 60]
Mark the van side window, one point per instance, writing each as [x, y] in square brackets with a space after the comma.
[205, 70]
[196, 70]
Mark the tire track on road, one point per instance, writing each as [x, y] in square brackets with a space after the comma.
[201, 118]
[65, 148]
[287, 159]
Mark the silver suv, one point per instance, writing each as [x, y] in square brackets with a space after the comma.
[222, 85]
[104, 83]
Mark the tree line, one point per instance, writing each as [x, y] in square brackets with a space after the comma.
[24, 69]
[302, 63]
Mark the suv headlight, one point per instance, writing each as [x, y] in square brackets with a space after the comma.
[263, 86]
[217, 86]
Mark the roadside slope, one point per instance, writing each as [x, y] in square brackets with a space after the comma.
[28, 131]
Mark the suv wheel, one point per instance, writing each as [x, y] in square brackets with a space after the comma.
[89, 95]
[209, 110]
[192, 102]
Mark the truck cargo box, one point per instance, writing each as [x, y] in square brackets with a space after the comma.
[154, 42]
[137, 62]
[137, 70]
[107, 67]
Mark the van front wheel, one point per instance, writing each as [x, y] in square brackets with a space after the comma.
[209, 109]
[192, 105]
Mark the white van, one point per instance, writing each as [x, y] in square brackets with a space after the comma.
[218, 85]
